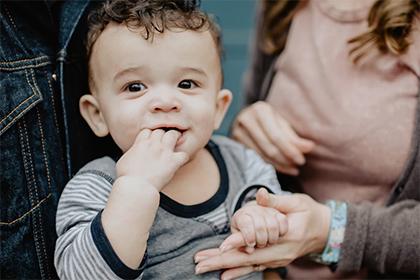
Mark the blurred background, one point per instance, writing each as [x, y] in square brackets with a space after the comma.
[236, 19]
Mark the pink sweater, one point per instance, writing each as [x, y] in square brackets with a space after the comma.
[361, 116]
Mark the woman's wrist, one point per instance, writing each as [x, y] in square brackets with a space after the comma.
[331, 252]
[324, 226]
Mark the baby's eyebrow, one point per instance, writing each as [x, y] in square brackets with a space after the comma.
[195, 70]
[129, 70]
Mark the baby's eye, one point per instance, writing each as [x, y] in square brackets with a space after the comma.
[187, 84]
[134, 87]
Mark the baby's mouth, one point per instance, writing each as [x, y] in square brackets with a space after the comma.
[175, 127]
[181, 130]
[166, 129]
[169, 127]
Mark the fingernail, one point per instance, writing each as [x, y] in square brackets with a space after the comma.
[299, 160]
[199, 270]
[252, 244]
[198, 259]
[249, 250]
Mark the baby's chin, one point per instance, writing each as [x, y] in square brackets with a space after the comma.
[190, 150]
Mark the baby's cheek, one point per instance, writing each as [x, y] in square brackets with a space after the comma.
[207, 126]
[124, 135]
[124, 143]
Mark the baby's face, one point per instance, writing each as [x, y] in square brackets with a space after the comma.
[170, 82]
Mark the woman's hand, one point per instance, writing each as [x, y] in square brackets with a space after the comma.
[308, 227]
[257, 226]
[261, 128]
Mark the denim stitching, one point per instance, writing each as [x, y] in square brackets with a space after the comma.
[52, 95]
[25, 147]
[37, 213]
[15, 31]
[35, 63]
[37, 246]
[41, 131]
[43, 259]
[17, 117]
[53, 102]
[10, 18]
[27, 213]
[26, 150]
[43, 142]
[23, 67]
[20, 105]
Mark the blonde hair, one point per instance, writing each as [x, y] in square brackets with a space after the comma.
[390, 24]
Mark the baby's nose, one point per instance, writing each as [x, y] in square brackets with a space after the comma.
[167, 104]
[165, 108]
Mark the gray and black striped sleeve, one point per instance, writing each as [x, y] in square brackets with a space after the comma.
[82, 248]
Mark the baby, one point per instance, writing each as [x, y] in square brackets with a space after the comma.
[156, 87]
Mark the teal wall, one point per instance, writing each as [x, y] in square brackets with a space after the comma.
[236, 19]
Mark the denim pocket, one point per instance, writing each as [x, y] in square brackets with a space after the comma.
[16, 97]
[20, 140]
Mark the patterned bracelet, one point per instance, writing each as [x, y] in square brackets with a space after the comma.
[331, 253]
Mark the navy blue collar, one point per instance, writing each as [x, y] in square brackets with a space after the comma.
[190, 211]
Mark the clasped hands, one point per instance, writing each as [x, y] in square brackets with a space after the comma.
[296, 226]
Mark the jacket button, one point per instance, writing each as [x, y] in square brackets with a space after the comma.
[54, 76]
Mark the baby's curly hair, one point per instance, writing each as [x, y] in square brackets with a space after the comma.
[150, 17]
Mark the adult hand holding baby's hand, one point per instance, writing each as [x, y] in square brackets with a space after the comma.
[308, 227]
[255, 226]
[152, 157]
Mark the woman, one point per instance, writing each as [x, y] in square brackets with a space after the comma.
[335, 107]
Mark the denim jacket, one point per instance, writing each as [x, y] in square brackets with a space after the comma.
[43, 140]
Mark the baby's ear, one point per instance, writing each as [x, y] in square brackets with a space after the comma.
[91, 112]
[223, 99]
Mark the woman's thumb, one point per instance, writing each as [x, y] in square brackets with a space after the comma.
[263, 198]
[282, 203]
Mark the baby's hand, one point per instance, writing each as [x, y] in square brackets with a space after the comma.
[152, 157]
[259, 226]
